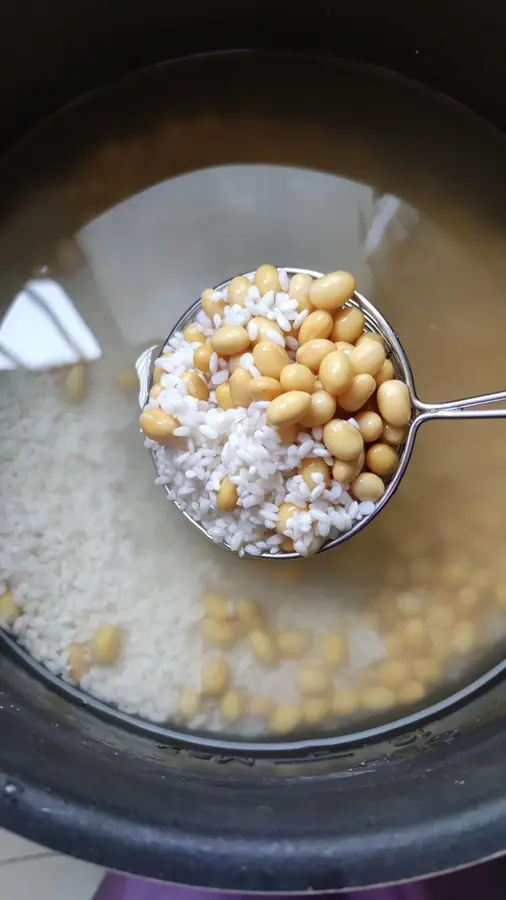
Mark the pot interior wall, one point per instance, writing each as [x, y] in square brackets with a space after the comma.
[50, 56]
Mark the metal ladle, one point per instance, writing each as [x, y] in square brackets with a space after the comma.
[421, 412]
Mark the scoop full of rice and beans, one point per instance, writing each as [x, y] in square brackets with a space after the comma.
[274, 416]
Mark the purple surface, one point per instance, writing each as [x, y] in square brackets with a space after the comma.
[119, 887]
[486, 881]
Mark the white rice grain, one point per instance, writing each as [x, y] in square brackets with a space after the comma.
[297, 322]
[275, 337]
[283, 279]
[219, 377]
[252, 331]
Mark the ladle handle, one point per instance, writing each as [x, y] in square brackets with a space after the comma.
[462, 409]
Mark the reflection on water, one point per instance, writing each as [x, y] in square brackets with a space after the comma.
[42, 329]
[117, 216]
[206, 226]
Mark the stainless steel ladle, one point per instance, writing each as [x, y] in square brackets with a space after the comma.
[465, 408]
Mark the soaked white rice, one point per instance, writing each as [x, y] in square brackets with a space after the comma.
[88, 539]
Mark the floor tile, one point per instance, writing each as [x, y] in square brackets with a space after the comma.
[49, 878]
[12, 846]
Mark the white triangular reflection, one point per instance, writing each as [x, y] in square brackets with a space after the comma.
[42, 329]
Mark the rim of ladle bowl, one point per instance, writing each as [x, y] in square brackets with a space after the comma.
[377, 323]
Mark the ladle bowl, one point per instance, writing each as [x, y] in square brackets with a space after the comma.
[375, 322]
